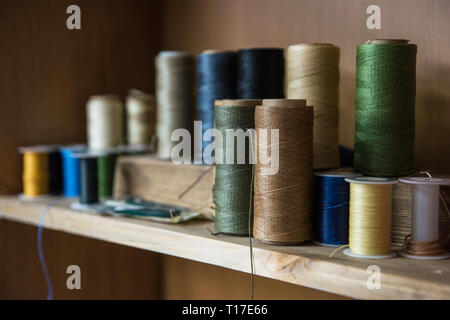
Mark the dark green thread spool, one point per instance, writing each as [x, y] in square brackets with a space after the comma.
[384, 108]
[106, 167]
[232, 185]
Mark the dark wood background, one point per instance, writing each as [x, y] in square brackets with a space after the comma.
[48, 72]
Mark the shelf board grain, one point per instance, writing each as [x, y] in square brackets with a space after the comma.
[307, 265]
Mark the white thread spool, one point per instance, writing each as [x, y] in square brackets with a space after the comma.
[140, 108]
[425, 213]
[104, 122]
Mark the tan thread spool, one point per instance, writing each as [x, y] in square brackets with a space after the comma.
[175, 97]
[313, 74]
[141, 113]
[283, 201]
[401, 212]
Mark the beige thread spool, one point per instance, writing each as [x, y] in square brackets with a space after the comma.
[104, 122]
[313, 74]
[175, 97]
[141, 113]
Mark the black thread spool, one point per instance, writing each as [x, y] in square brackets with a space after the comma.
[55, 164]
[88, 178]
[261, 73]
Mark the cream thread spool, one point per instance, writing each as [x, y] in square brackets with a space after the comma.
[140, 108]
[425, 214]
[313, 74]
[104, 122]
[356, 234]
[175, 97]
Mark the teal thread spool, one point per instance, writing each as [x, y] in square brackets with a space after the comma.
[384, 108]
[232, 183]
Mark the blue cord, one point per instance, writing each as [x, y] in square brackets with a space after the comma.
[41, 252]
[331, 210]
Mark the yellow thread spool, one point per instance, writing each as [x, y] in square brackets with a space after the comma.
[370, 217]
[35, 172]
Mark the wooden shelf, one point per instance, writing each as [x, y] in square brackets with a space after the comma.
[306, 265]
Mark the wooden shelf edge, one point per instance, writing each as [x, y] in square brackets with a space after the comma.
[306, 265]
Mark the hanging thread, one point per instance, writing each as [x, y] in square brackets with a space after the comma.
[71, 170]
[424, 242]
[384, 107]
[141, 117]
[331, 202]
[313, 74]
[261, 73]
[370, 217]
[216, 79]
[232, 187]
[175, 96]
[104, 122]
[36, 172]
[283, 197]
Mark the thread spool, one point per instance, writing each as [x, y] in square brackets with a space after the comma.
[331, 204]
[175, 87]
[424, 243]
[261, 73]
[216, 79]
[36, 172]
[141, 117]
[88, 178]
[106, 167]
[313, 74]
[55, 168]
[232, 182]
[283, 199]
[370, 218]
[401, 212]
[71, 170]
[384, 108]
[104, 122]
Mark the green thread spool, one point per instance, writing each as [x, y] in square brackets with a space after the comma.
[384, 107]
[232, 185]
[106, 166]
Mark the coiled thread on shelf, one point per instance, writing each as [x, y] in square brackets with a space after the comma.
[71, 170]
[332, 197]
[233, 181]
[216, 80]
[384, 108]
[313, 74]
[175, 97]
[261, 73]
[88, 179]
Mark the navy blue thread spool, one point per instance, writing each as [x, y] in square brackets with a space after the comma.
[331, 208]
[88, 178]
[261, 73]
[216, 80]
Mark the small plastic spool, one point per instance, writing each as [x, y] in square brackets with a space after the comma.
[335, 174]
[37, 149]
[370, 181]
[425, 213]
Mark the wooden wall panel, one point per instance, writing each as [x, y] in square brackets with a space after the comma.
[48, 72]
[196, 25]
